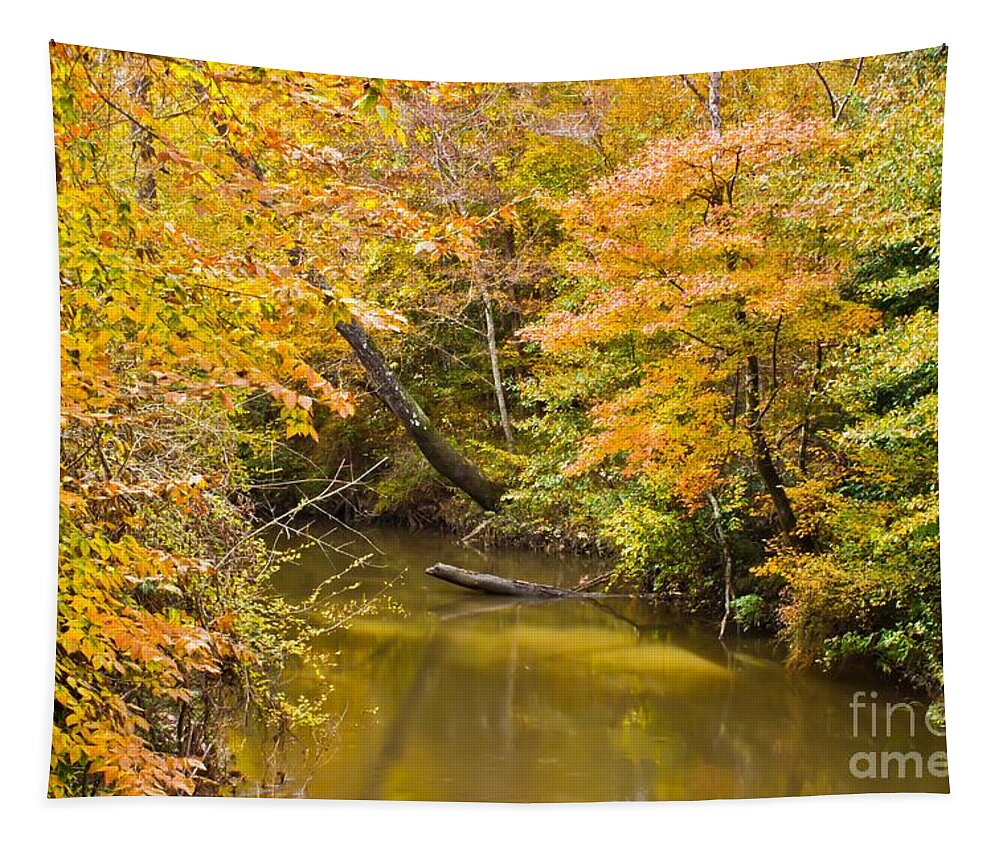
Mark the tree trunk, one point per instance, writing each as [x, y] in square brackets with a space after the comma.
[710, 103]
[762, 454]
[727, 559]
[490, 584]
[441, 455]
[806, 424]
[491, 342]
[714, 96]
[144, 154]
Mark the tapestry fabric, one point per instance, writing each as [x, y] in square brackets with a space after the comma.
[515, 442]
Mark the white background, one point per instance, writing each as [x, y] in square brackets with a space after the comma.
[500, 40]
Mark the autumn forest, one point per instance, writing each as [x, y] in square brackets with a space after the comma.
[675, 334]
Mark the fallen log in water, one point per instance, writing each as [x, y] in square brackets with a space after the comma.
[491, 584]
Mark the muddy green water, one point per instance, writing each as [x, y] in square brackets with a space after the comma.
[438, 693]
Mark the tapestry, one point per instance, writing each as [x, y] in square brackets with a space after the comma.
[511, 442]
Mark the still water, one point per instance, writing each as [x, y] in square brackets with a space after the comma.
[439, 693]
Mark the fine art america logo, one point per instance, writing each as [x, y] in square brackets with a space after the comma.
[878, 721]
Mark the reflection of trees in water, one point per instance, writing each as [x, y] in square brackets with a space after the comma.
[483, 698]
[394, 740]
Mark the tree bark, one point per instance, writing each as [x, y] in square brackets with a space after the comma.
[491, 342]
[714, 97]
[837, 104]
[144, 154]
[762, 453]
[806, 424]
[441, 455]
[710, 103]
[727, 559]
[490, 584]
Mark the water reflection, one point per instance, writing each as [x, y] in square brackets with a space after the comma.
[449, 695]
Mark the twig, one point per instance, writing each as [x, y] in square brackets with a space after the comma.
[277, 521]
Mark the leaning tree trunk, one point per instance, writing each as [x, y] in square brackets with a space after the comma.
[441, 455]
[762, 453]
